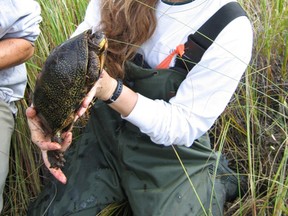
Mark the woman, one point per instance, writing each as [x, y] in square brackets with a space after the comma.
[130, 145]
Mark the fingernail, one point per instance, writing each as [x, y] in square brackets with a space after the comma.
[76, 118]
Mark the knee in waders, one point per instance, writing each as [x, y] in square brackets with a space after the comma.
[234, 184]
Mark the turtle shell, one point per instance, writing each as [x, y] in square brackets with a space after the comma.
[68, 74]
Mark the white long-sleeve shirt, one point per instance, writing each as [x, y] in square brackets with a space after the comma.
[208, 87]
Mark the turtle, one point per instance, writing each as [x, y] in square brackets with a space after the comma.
[68, 74]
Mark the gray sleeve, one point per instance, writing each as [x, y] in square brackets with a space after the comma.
[20, 19]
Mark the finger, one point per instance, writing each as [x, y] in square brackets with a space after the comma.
[76, 117]
[67, 141]
[37, 134]
[48, 145]
[80, 112]
[89, 97]
[33, 121]
[30, 112]
[57, 173]
[87, 100]
[34, 124]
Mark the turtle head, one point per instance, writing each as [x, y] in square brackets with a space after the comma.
[99, 42]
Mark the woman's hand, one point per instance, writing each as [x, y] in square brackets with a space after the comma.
[44, 142]
[103, 90]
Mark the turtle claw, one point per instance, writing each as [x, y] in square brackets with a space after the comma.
[56, 159]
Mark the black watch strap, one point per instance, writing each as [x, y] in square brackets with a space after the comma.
[116, 93]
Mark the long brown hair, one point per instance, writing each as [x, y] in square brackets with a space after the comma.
[127, 24]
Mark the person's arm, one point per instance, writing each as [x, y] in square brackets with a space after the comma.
[201, 97]
[14, 51]
[19, 20]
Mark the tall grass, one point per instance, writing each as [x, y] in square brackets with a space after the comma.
[253, 130]
[258, 136]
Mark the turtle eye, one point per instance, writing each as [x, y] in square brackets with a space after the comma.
[98, 35]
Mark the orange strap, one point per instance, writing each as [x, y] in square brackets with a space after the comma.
[166, 62]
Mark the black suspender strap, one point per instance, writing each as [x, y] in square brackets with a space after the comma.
[200, 41]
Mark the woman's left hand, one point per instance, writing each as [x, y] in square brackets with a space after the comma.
[103, 90]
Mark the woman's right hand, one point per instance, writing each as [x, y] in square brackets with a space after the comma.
[44, 142]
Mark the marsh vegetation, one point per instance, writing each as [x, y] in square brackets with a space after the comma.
[252, 131]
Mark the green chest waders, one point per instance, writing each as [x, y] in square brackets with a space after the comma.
[113, 161]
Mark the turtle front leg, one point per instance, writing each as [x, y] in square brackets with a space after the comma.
[56, 157]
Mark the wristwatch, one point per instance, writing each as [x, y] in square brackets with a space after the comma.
[116, 93]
